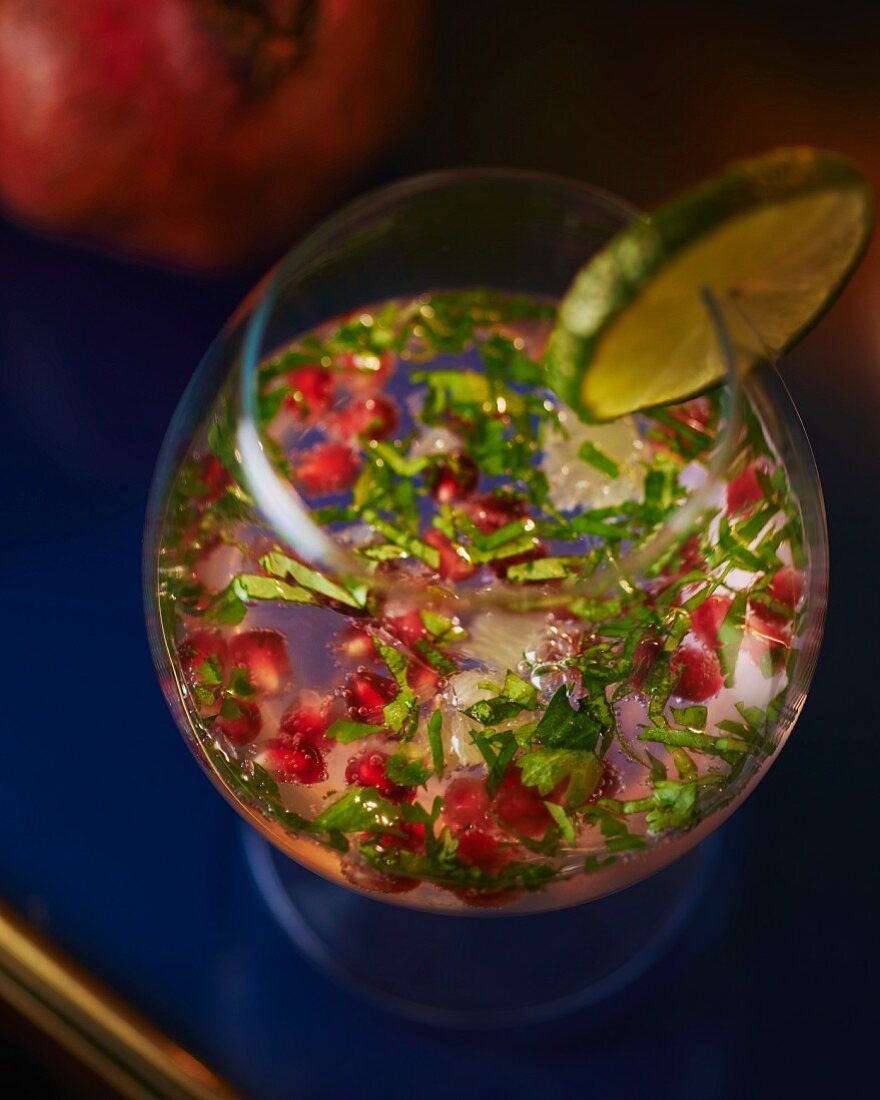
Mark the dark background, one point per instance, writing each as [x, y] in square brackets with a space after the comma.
[640, 98]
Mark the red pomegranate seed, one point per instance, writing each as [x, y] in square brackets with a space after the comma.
[521, 808]
[366, 373]
[698, 671]
[215, 478]
[204, 645]
[310, 723]
[408, 835]
[365, 418]
[311, 392]
[264, 654]
[744, 491]
[768, 625]
[454, 479]
[407, 627]
[644, 656]
[290, 758]
[787, 586]
[242, 722]
[424, 680]
[453, 565]
[479, 849]
[355, 645]
[466, 804]
[367, 695]
[706, 619]
[370, 769]
[490, 512]
[326, 468]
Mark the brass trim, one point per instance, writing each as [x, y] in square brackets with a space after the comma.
[93, 1024]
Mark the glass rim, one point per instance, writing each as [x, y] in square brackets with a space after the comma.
[289, 515]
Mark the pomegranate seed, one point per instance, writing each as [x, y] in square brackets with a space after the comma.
[264, 654]
[290, 758]
[326, 468]
[644, 656]
[311, 392]
[215, 477]
[698, 670]
[489, 512]
[454, 479]
[520, 807]
[354, 644]
[407, 627]
[242, 722]
[366, 418]
[685, 560]
[485, 899]
[706, 619]
[361, 875]
[309, 723]
[479, 849]
[767, 625]
[424, 680]
[370, 769]
[466, 804]
[453, 565]
[787, 586]
[202, 646]
[367, 695]
[408, 835]
[366, 373]
[744, 491]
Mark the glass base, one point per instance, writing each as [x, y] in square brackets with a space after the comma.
[482, 970]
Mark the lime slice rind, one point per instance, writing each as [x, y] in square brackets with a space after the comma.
[775, 238]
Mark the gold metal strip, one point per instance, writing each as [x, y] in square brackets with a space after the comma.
[95, 1025]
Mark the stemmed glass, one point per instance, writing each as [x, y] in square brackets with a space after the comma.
[514, 234]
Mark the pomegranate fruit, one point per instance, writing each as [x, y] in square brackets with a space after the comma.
[196, 132]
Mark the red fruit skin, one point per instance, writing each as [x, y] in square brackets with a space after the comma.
[198, 648]
[454, 480]
[367, 694]
[424, 680]
[787, 586]
[243, 727]
[744, 491]
[326, 468]
[309, 723]
[643, 659]
[699, 672]
[373, 417]
[519, 807]
[370, 769]
[489, 512]
[215, 477]
[452, 567]
[264, 654]
[311, 395]
[408, 836]
[182, 132]
[408, 627]
[290, 758]
[706, 619]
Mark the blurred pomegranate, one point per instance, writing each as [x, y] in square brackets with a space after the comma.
[200, 132]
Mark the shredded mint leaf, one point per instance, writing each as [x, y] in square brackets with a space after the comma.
[693, 718]
[598, 459]
[406, 771]
[562, 820]
[688, 739]
[280, 565]
[359, 810]
[546, 768]
[561, 726]
[240, 684]
[345, 731]
[435, 739]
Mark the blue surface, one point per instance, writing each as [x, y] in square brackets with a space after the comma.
[115, 843]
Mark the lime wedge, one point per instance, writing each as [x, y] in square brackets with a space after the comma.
[774, 239]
